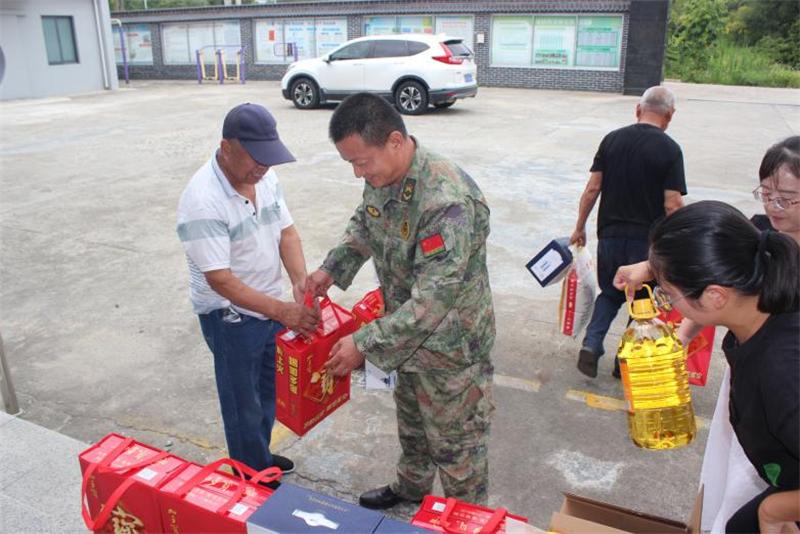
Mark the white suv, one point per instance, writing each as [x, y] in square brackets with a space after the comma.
[413, 71]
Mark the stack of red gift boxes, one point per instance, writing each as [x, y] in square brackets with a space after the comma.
[131, 487]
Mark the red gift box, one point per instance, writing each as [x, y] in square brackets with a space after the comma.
[120, 485]
[457, 517]
[205, 499]
[698, 353]
[369, 308]
[305, 393]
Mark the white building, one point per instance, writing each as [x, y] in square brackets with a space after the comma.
[55, 47]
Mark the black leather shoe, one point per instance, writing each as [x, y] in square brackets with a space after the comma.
[283, 463]
[587, 362]
[616, 372]
[381, 498]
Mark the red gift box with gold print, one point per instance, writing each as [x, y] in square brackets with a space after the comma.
[454, 516]
[121, 478]
[369, 308]
[305, 393]
[206, 499]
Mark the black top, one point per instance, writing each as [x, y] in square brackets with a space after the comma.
[765, 398]
[638, 163]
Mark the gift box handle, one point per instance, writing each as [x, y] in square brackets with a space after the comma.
[325, 302]
[104, 466]
[269, 474]
[490, 527]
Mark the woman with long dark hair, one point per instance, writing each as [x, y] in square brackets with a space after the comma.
[717, 268]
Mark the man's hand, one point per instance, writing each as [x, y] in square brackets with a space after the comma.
[318, 283]
[632, 277]
[299, 318]
[578, 237]
[299, 290]
[778, 512]
[344, 357]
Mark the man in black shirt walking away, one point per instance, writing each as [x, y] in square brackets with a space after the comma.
[638, 175]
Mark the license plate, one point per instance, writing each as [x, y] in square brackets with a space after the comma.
[468, 77]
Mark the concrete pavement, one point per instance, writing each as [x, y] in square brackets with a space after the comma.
[99, 332]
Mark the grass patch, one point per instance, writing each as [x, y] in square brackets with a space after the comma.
[729, 64]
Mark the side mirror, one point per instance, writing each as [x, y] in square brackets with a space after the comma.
[327, 58]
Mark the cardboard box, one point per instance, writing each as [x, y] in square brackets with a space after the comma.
[217, 502]
[580, 515]
[305, 393]
[450, 515]
[122, 477]
[551, 263]
[294, 510]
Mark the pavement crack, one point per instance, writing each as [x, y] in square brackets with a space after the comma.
[197, 442]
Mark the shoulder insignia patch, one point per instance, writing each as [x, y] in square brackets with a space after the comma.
[405, 230]
[373, 211]
[432, 245]
[408, 190]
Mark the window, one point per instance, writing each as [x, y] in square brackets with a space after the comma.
[389, 48]
[557, 41]
[415, 47]
[285, 40]
[358, 50]
[59, 39]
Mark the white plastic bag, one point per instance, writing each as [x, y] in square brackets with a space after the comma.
[577, 295]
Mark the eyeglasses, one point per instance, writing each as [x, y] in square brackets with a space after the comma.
[780, 203]
[663, 300]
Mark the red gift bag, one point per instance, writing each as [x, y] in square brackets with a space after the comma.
[121, 480]
[205, 499]
[305, 393]
[369, 308]
[698, 353]
[457, 517]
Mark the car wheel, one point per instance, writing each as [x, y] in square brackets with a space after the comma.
[442, 105]
[305, 94]
[411, 98]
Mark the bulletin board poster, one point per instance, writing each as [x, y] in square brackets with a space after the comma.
[380, 25]
[227, 33]
[138, 44]
[300, 34]
[176, 44]
[511, 41]
[553, 41]
[269, 41]
[201, 37]
[416, 25]
[599, 41]
[330, 34]
[460, 27]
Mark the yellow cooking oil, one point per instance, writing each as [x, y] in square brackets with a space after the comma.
[653, 368]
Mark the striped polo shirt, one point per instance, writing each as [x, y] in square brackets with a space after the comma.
[221, 229]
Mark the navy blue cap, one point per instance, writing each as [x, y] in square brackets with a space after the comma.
[255, 128]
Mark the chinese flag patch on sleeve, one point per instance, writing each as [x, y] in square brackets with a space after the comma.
[432, 245]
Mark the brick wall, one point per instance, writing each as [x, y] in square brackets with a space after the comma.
[645, 65]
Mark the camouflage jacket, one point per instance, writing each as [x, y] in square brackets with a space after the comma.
[427, 237]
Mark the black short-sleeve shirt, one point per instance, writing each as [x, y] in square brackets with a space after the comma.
[639, 162]
[765, 398]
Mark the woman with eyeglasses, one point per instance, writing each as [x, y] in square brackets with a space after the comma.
[717, 268]
[779, 189]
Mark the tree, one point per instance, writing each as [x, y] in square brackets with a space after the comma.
[771, 25]
[694, 29]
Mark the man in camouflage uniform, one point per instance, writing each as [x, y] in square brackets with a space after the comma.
[424, 222]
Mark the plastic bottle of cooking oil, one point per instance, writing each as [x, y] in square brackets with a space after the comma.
[653, 368]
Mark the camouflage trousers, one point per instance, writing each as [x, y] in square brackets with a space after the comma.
[443, 421]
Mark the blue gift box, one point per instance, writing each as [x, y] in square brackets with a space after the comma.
[552, 262]
[392, 526]
[292, 509]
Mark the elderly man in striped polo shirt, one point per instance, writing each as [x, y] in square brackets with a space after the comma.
[236, 231]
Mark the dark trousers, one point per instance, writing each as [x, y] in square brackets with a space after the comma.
[745, 520]
[612, 253]
[244, 365]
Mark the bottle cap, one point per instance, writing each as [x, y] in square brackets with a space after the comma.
[643, 309]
